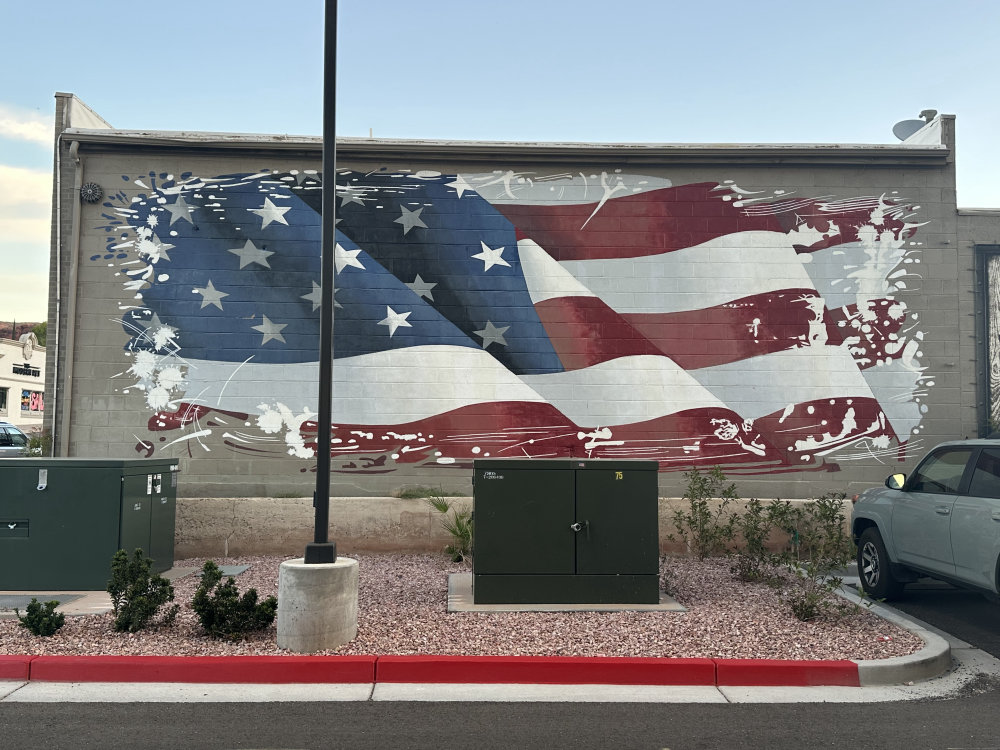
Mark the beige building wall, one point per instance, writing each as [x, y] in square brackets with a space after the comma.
[22, 383]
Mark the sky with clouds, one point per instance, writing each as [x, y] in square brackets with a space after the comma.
[651, 71]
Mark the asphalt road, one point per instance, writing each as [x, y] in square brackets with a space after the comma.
[970, 722]
[964, 614]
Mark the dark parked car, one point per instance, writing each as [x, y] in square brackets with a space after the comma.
[13, 442]
[942, 521]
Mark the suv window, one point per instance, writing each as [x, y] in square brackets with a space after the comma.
[941, 472]
[986, 477]
[12, 436]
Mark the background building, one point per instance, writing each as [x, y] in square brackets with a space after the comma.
[808, 317]
[22, 382]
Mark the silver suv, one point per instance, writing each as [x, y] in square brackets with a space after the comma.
[942, 521]
[13, 442]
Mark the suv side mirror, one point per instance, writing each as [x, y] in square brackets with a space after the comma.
[896, 481]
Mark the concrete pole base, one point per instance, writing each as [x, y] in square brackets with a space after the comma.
[317, 604]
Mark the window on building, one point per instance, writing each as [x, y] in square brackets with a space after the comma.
[3, 402]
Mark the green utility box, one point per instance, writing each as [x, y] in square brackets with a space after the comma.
[565, 531]
[63, 519]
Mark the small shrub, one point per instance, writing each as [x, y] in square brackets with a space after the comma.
[39, 444]
[458, 523]
[136, 594]
[41, 619]
[706, 532]
[753, 559]
[819, 547]
[223, 612]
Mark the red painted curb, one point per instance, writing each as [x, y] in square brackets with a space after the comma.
[540, 670]
[781, 672]
[543, 670]
[216, 669]
[15, 667]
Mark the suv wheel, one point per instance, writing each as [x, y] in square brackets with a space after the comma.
[873, 567]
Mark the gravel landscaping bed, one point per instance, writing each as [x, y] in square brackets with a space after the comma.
[402, 609]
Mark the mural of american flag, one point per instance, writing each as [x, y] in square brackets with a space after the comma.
[514, 314]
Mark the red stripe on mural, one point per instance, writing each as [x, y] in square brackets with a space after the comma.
[804, 431]
[872, 333]
[585, 331]
[632, 226]
[747, 327]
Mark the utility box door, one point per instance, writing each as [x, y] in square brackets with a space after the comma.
[618, 508]
[522, 521]
[135, 513]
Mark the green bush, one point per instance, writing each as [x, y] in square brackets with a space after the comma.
[818, 544]
[458, 523]
[706, 532]
[136, 594]
[41, 619]
[753, 558]
[223, 612]
[819, 547]
[39, 444]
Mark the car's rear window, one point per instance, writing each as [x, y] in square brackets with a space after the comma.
[986, 477]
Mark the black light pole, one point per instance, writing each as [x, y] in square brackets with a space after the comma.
[321, 550]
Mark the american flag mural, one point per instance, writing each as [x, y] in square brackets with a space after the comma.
[519, 314]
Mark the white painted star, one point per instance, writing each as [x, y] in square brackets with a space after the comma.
[492, 335]
[316, 297]
[410, 219]
[394, 320]
[460, 185]
[491, 257]
[422, 288]
[270, 330]
[210, 296]
[151, 247]
[270, 213]
[179, 209]
[350, 194]
[343, 258]
[250, 253]
[161, 248]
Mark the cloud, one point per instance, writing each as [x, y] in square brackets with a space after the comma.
[23, 125]
[25, 212]
[25, 297]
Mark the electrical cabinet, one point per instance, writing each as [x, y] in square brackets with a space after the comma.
[63, 519]
[565, 531]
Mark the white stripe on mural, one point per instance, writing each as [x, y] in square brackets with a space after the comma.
[545, 277]
[759, 386]
[718, 271]
[389, 387]
[623, 391]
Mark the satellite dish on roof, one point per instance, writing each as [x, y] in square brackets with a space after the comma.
[906, 128]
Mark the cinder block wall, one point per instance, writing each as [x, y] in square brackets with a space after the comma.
[631, 273]
[223, 527]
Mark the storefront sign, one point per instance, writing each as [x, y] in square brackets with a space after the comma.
[26, 369]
